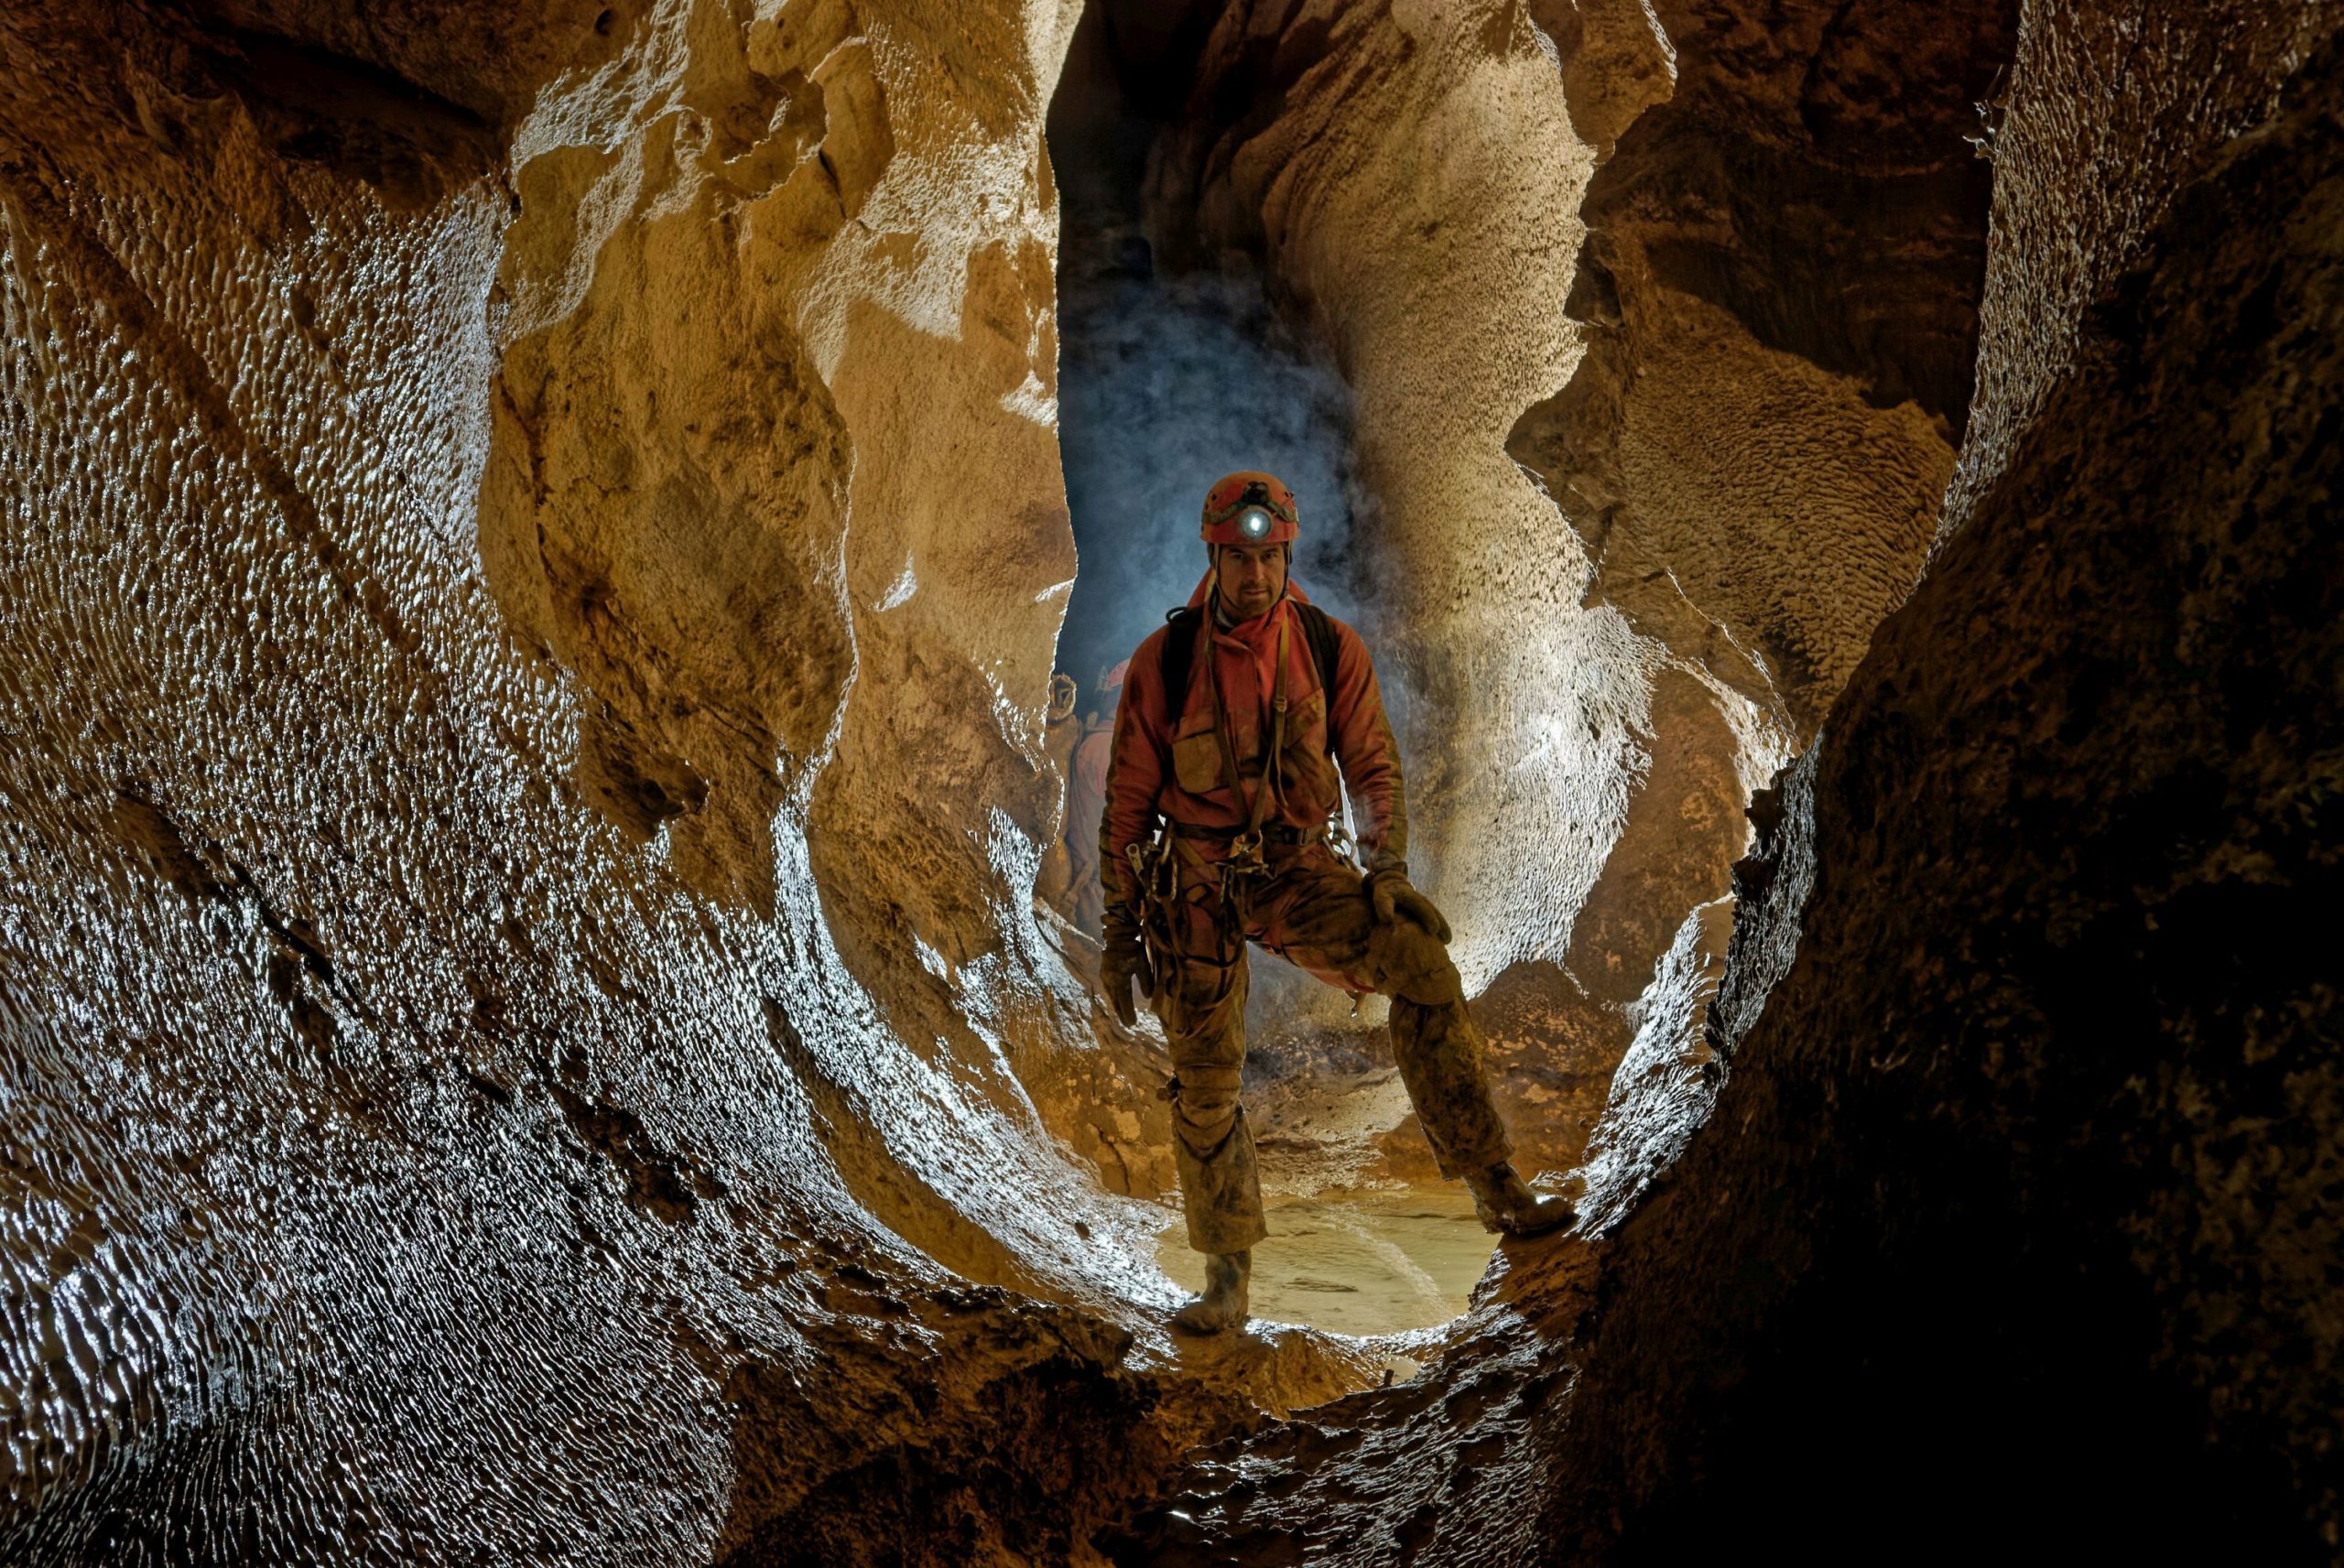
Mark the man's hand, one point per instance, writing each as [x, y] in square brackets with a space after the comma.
[1122, 958]
[1394, 898]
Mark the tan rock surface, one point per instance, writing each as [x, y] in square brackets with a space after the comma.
[1414, 195]
[532, 553]
[1780, 289]
[533, 549]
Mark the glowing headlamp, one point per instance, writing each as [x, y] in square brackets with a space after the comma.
[1249, 509]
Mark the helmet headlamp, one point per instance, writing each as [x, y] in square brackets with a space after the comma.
[1249, 508]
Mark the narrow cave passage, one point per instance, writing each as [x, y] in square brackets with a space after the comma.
[1170, 375]
[534, 553]
[1173, 371]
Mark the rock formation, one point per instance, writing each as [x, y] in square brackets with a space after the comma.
[1993, 1219]
[532, 551]
[1780, 289]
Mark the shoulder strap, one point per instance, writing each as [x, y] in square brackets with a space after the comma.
[1319, 627]
[1179, 654]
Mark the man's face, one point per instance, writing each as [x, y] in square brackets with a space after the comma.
[1250, 578]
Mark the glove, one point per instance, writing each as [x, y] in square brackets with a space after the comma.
[1394, 898]
[1122, 958]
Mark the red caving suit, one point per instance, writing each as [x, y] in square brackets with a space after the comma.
[1309, 907]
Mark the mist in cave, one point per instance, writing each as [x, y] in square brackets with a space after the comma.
[1170, 379]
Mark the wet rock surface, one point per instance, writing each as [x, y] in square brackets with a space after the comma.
[487, 1074]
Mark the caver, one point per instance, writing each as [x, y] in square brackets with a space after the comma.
[1242, 722]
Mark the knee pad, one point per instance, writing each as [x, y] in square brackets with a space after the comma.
[1414, 966]
[1208, 1096]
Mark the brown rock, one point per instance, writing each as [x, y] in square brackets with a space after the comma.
[2025, 1061]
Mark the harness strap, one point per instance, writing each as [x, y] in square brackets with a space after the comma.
[1274, 833]
[1180, 645]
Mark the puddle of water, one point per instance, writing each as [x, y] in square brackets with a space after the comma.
[1372, 1262]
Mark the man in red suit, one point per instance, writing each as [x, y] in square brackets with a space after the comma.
[1221, 790]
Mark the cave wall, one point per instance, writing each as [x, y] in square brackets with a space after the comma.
[522, 779]
[1990, 1216]
[1780, 292]
[1405, 178]
[522, 1036]
[2045, 1106]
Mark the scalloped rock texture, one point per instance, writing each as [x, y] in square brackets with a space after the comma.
[532, 553]
[1780, 291]
[1406, 177]
[524, 1036]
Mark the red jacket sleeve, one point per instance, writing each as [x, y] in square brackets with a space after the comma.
[1135, 771]
[1368, 755]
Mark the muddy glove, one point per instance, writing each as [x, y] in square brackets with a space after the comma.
[1122, 958]
[1394, 898]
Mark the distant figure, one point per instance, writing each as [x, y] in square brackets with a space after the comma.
[1086, 802]
[1233, 721]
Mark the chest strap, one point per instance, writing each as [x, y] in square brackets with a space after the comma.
[1248, 845]
[1184, 626]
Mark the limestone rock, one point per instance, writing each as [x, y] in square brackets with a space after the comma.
[532, 555]
[2047, 1096]
[523, 775]
[1779, 289]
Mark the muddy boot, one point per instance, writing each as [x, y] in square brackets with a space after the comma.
[1507, 1203]
[1223, 1304]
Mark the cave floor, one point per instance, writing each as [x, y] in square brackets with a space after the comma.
[1366, 1263]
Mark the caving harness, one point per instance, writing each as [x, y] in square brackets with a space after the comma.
[1238, 877]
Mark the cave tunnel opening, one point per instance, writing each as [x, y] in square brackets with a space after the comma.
[1171, 372]
[523, 1034]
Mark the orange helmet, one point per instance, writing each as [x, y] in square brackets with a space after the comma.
[1250, 508]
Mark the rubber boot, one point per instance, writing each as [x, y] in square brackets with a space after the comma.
[1223, 1304]
[1506, 1205]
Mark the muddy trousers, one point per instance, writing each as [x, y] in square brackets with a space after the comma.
[1314, 912]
